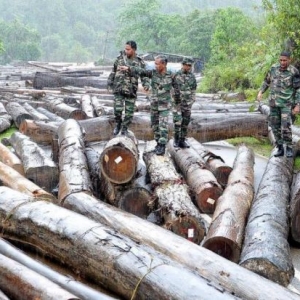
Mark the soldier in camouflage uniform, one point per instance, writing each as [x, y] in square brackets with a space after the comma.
[124, 86]
[186, 83]
[162, 82]
[283, 79]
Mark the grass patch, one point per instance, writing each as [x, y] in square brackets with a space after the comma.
[7, 133]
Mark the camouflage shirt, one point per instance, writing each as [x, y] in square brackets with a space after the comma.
[126, 83]
[284, 86]
[186, 83]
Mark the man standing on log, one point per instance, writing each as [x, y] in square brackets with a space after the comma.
[283, 79]
[162, 82]
[186, 82]
[125, 85]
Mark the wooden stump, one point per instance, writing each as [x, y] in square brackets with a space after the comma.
[226, 231]
[266, 250]
[203, 184]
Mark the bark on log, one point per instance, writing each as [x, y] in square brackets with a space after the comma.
[19, 282]
[10, 159]
[295, 208]
[226, 231]
[66, 111]
[179, 213]
[38, 131]
[86, 106]
[74, 175]
[240, 281]
[51, 116]
[266, 250]
[38, 167]
[3, 297]
[75, 287]
[13, 179]
[213, 162]
[17, 112]
[203, 184]
[119, 159]
[100, 253]
[36, 115]
[54, 80]
[101, 128]
[4, 114]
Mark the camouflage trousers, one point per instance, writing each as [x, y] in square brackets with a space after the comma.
[181, 117]
[280, 120]
[159, 123]
[126, 104]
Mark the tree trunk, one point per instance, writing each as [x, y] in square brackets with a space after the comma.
[38, 167]
[179, 213]
[36, 115]
[86, 106]
[17, 112]
[51, 116]
[54, 80]
[213, 162]
[19, 282]
[242, 282]
[5, 118]
[101, 254]
[101, 128]
[73, 175]
[295, 208]
[75, 287]
[203, 184]
[13, 179]
[10, 159]
[226, 231]
[266, 250]
[119, 159]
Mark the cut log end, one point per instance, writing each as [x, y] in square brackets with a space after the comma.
[206, 200]
[222, 174]
[78, 115]
[223, 247]
[189, 228]
[269, 271]
[137, 201]
[118, 165]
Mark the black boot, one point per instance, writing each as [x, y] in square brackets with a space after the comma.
[289, 152]
[117, 128]
[124, 130]
[280, 151]
[183, 143]
[176, 141]
[160, 150]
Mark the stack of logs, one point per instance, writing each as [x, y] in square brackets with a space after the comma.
[89, 207]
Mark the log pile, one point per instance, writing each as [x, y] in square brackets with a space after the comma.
[91, 208]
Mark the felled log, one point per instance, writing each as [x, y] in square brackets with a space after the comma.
[240, 281]
[86, 106]
[17, 112]
[212, 161]
[39, 131]
[3, 296]
[4, 113]
[101, 254]
[266, 250]
[36, 115]
[97, 106]
[38, 167]
[19, 282]
[73, 168]
[51, 116]
[226, 231]
[10, 159]
[55, 80]
[179, 213]
[295, 208]
[13, 179]
[66, 111]
[204, 186]
[73, 286]
[119, 158]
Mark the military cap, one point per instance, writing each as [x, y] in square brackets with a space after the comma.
[187, 61]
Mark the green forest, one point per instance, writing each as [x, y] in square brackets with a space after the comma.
[237, 39]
